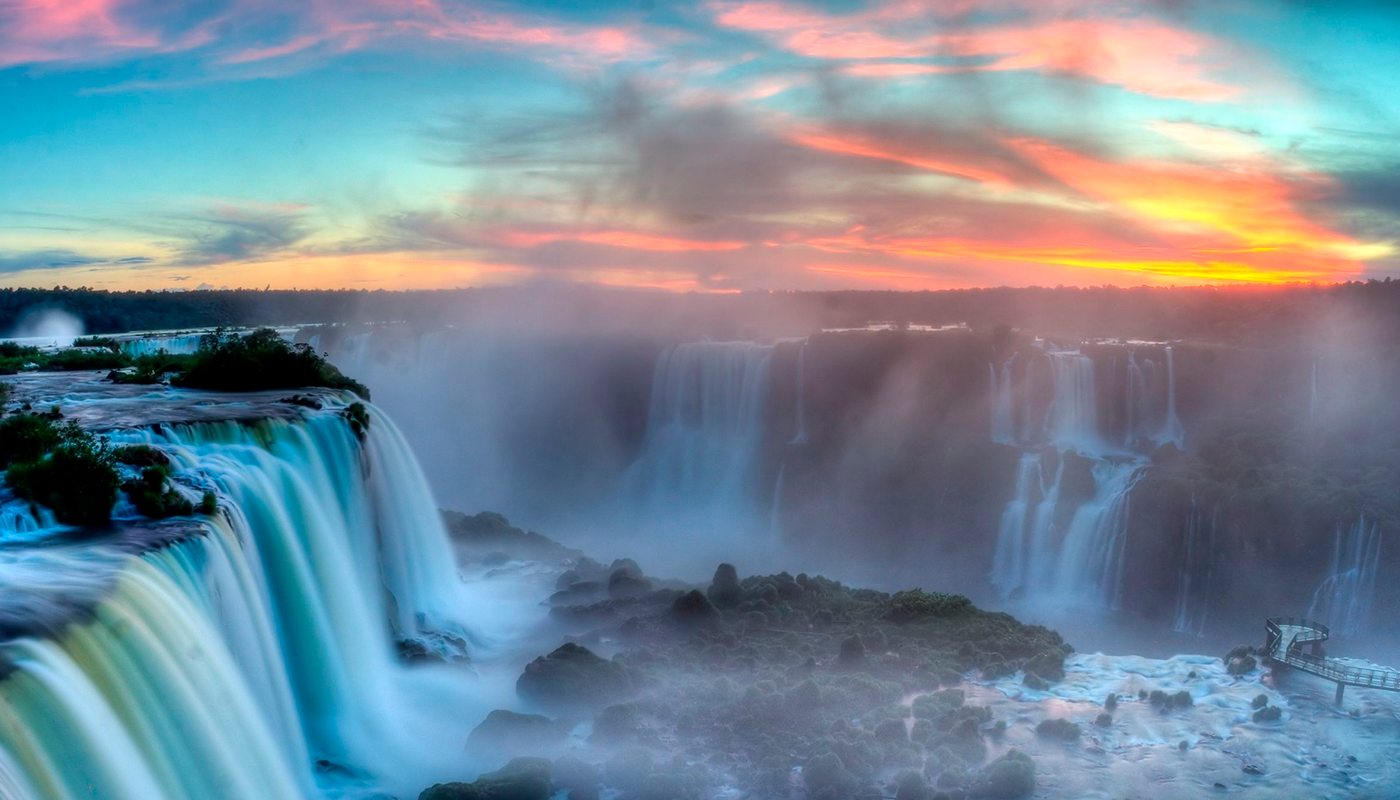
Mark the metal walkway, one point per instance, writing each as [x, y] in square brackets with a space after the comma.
[1286, 637]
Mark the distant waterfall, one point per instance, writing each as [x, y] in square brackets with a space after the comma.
[1138, 401]
[1172, 430]
[801, 411]
[223, 665]
[1027, 519]
[1093, 556]
[174, 345]
[1195, 582]
[705, 427]
[1003, 405]
[1072, 422]
[1344, 598]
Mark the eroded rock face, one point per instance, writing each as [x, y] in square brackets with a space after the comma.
[571, 677]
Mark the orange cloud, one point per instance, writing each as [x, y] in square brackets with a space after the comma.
[868, 149]
[1253, 207]
[631, 240]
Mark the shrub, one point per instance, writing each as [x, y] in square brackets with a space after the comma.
[1008, 777]
[260, 360]
[827, 772]
[1104, 720]
[26, 437]
[77, 479]
[153, 497]
[1111, 702]
[140, 455]
[209, 504]
[917, 604]
[1058, 729]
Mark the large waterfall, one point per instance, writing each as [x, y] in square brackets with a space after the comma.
[260, 642]
[1069, 548]
[1344, 598]
[700, 460]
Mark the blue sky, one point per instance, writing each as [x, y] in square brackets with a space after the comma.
[711, 146]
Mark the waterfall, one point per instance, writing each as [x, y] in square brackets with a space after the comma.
[1137, 400]
[1172, 430]
[705, 424]
[1003, 405]
[174, 345]
[1072, 422]
[1047, 548]
[801, 412]
[222, 665]
[1343, 599]
[1093, 556]
[1195, 581]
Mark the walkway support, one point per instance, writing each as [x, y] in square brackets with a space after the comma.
[1286, 638]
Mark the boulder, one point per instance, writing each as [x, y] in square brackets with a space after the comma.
[509, 732]
[724, 589]
[571, 677]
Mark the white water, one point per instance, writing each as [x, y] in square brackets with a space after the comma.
[699, 464]
[1003, 405]
[223, 666]
[174, 345]
[1343, 599]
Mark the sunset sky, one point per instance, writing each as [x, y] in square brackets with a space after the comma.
[707, 145]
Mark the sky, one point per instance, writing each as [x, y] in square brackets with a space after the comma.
[708, 145]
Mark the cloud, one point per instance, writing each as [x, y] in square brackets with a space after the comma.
[238, 233]
[247, 32]
[901, 39]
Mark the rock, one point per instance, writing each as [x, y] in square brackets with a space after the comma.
[693, 608]
[1034, 682]
[579, 778]
[1250, 769]
[573, 676]
[1268, 714]
[852, 651]
[1058, 729]
[629, 769]
[1077, 479]
[507, 731]
[617, 724]
[626, 565]
[577, 593]
[724, 589]
[518, 787]
[623, 583]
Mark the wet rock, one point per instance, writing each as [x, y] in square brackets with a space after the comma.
[852, 651]
[724, 589]
[573, 676]
[507, 731]
[624, 583]
[693, 608]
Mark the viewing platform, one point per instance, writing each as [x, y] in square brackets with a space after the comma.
[1285, 639]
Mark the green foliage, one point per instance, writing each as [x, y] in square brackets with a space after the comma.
[917, 604]
[26, 437]
[1058, 729]
[140, 455]
[153, 497]
[76, 477]
[209, 504]
[260, 360]
[1011, 776]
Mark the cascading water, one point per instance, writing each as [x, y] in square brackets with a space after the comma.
[1003, 405]
[699, 463]
[1046, 548]
[1172, 430]
[1344, 598]
[174, 345]
[223, 665]
[800, 437]
[1195, 583]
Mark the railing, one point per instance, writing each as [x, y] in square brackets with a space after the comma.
[1302, 632]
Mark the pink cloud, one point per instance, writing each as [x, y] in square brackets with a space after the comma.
[1139, 54]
